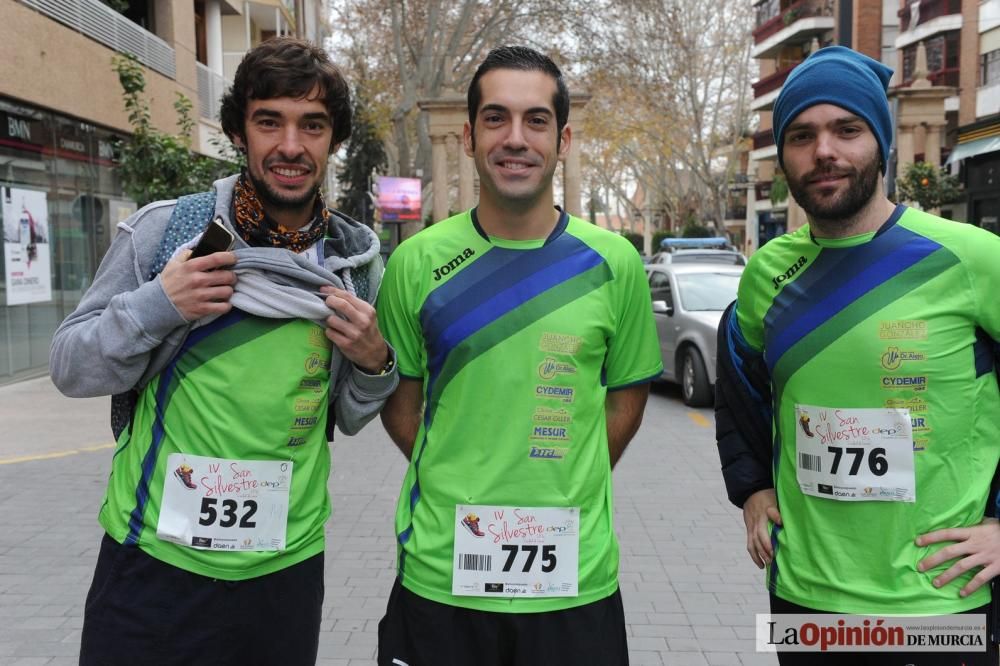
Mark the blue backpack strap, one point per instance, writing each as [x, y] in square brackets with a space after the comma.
[191, 214]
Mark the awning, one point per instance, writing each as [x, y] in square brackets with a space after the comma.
[973, 148]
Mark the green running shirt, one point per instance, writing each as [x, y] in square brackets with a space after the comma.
[241, 388]
[517, 344]
[899, 318]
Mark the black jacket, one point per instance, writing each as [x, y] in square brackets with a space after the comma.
[743, 411]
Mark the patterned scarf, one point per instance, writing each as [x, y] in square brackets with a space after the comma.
[258, 230]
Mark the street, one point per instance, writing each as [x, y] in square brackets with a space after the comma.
[689, 588]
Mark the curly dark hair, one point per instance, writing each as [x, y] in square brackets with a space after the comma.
[287, 67]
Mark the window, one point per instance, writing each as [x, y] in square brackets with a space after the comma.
[989, 68]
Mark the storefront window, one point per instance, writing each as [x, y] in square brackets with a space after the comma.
[61, 200]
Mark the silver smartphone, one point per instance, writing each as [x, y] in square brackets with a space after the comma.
[215, 238]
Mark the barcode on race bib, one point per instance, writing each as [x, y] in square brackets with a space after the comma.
[474, 562]
[811, 463]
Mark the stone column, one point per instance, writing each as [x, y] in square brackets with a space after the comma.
[571, 179]
[466, 180]
[904, 146]
[439, 174]
[932, 144]
[213, 36]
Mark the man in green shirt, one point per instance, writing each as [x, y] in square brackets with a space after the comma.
[525, 345]
[858, 411]
[217, 500]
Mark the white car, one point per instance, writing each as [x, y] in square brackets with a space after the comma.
[688, 300]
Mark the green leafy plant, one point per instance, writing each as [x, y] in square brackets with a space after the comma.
[154, 165]
[695, 230]
[365, 156]
[779, 189]
[927, 186]
[659, 236]
[635, 239]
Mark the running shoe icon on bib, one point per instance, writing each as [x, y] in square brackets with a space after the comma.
[471, 522]
[183, 474]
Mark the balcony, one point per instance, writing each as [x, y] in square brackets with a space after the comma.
[933, 17]
[735, 213]
[211, 86]
[103, 24]
[927, 10]
[762, 190]
[987, 100]
[798, 23]
[763, 146]
[763, 138]
[767, 89]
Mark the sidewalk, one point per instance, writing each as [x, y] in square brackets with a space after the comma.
[689, 588]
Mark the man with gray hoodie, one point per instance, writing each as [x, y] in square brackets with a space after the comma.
[243, 360]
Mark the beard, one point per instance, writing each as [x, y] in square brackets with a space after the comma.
[278, 201]
[843, 206]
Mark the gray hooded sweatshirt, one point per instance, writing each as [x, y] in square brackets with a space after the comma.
[125, 330]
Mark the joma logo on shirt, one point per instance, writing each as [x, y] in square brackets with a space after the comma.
[453, 264]
[792, 270]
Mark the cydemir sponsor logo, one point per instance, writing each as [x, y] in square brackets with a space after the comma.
[564, 393]
[913, 382]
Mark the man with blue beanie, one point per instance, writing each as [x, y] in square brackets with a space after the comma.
[857, 403]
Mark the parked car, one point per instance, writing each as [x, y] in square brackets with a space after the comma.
[688, 300]
[731, 257]
[697, 250]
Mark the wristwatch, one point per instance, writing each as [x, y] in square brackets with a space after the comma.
[389, 365]
[385, 369]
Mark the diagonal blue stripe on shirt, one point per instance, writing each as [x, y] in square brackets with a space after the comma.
[482, 309]
[871, 267]
[496, 270]
[163, 393]
[822, 277]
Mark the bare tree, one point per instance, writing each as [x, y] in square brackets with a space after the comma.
[672, 89]
[425, 48]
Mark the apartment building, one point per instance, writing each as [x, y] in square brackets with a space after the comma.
[975, 140]
[945, 92]
[61, 116]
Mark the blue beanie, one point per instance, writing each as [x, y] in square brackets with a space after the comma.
[842, 77]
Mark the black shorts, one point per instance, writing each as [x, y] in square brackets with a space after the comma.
[419, 632]
[987, 658]
[143, 611]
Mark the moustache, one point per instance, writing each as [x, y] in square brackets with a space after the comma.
[817, 174]
[278, 161]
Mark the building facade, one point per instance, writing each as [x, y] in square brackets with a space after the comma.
[62, 116]
[945, 92]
